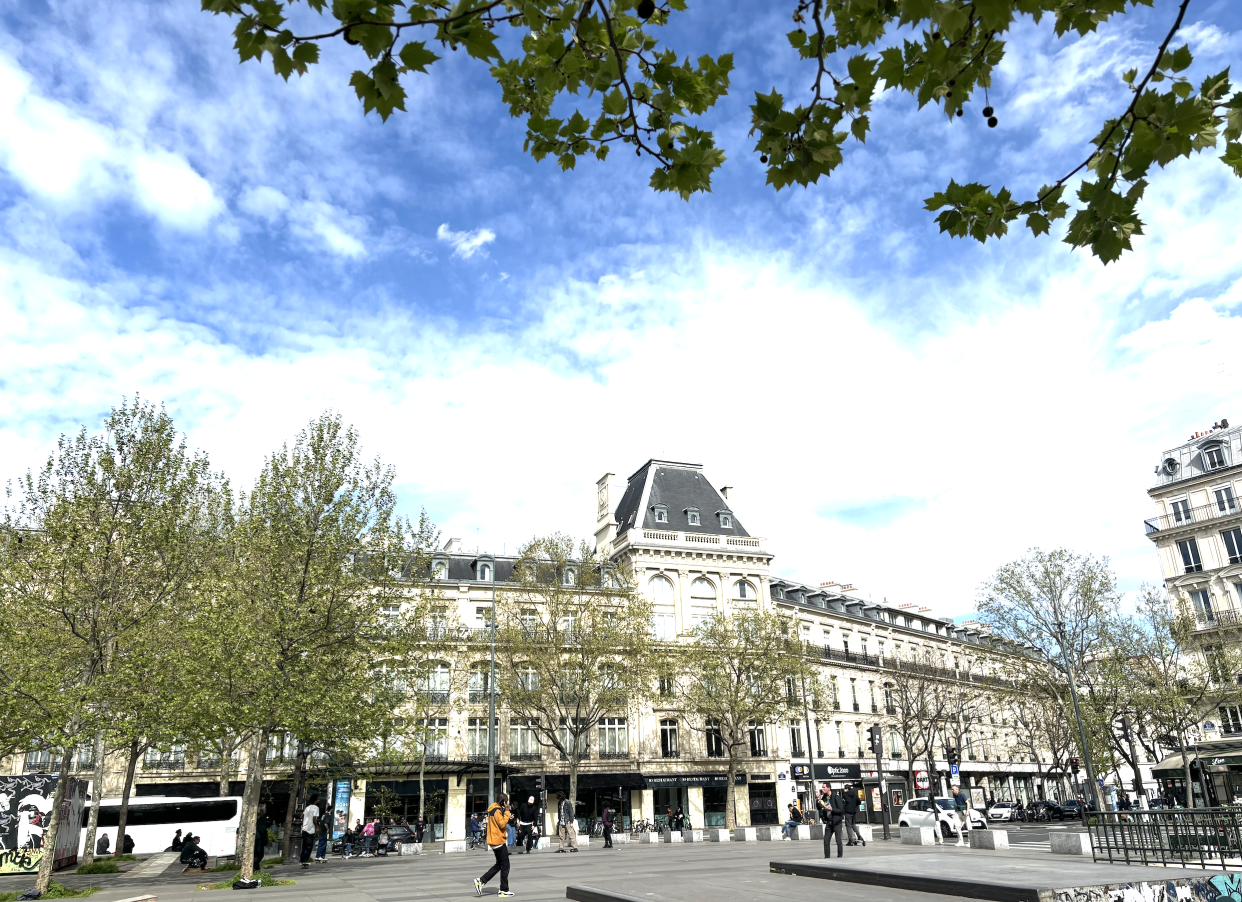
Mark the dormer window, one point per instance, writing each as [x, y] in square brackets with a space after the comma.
[661, 513]
[485, 573]
[440, 569]
[568, 577]
[692, 516]
[726, 519]
[1214, 456]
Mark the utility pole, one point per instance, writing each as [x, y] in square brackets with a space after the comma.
[491, 704]
[810, 746]
[1082, 733]
[877, 746]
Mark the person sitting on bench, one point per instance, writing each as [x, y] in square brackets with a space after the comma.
[193, 854]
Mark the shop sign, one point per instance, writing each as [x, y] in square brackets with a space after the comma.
[838, 772]
[654, 782]
[801, 771]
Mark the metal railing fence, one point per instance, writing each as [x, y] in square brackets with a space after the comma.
[1198, 837]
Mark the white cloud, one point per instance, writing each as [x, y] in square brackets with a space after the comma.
[465, 244]
[265, 202]
[330, 227]
[59, 155]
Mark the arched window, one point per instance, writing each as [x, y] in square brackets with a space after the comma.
[439, 570]
[485, 573]
[703, 588]
[668, 739]
[436, 683]
[479, 676]
[568, 577]
[743, 590]
[660, 588]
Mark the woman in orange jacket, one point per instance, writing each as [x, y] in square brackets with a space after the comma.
[498, 817]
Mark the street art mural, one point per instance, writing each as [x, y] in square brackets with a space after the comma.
[1217, 888]
[26, 811]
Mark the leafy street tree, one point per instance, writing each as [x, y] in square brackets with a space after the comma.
[646, 96]
[740, 672]
[916, 685]
[103, 543]
[296, 639]
[573, 644]
[1060, 606]
[1042, 726]
[1182, 676]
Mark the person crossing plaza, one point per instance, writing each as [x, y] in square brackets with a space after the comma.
[498, 818]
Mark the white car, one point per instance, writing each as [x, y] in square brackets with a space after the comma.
[919, 813]
[1001, 811]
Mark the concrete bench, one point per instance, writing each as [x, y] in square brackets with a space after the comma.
[718, 834]
[768, 834]
[918, 836]
[456, 845]
[692, 835]
[673, 835]
[801, 832]
[543, 842]
[648, 837]
[745, 834]
[1067, 843]
[989, 839]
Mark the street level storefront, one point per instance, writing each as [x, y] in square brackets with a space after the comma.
[1219, 762]
[701, 797]
[595, 790]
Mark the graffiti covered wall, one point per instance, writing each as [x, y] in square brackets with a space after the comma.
[1216, 888]
[26, 811]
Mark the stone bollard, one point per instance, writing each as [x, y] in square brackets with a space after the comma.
[865, 831]
[620, 838]
[989, 839]
[918, 836]
[745, 834]
[673, 835]
[543, 842]
[692, 835]
[1070, 843]
[817, 831]
[802, 831]
[584, 839]
[648, 838]
[769, 834]
[719, 834]
[456, 845]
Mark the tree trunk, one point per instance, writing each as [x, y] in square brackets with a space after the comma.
[88, 853]
[295, 787]
[250, 804]
[422, 770]
[1190, 791]
[731, 792]
[123, 815]
[53, 826]
[226, 759]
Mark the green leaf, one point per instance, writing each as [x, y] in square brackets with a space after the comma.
[797, 38]
[416, 57]
[1038, 224]
[305, 55]
[1181, 58]
[614, 102]
[1232, 157]
[858, 128]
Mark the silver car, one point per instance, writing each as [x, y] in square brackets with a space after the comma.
[919, 813]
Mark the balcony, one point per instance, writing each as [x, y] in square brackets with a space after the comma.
[670, 753]
[434, 696]
[1218, 620]
[164, 762]
[687, 539]
[891, 710]
[614, 756]
[1191, 516]
[527, 757]
[478, 696]
[848, 657]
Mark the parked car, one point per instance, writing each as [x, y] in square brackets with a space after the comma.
[920, 813]
[1071, 809]
[1001, 811]
[1048, 810]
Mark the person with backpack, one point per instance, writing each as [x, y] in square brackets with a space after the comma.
[851, 814]
[606, 817]
[567, 825]
[498, 817]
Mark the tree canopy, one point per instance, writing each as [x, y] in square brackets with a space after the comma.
[627, 88]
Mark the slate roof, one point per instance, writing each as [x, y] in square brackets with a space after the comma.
[679, 487]
[462, 566]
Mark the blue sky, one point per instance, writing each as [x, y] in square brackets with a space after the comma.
[896, 409]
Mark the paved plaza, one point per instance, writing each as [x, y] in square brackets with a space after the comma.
[733, 872]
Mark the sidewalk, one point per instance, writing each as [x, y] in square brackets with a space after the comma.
[722, 872]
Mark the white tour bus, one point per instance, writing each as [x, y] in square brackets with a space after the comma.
[152, 821]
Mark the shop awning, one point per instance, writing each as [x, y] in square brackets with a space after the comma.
[1172, 767]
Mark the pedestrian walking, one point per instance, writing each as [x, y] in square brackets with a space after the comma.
[310, 824]
[260, 837]
[368, 836]
[567, 824]
[528, 829]
[962, 804]
[832, 812]
[321, 848]
[498, 818]
[606, 817]
[851, 814]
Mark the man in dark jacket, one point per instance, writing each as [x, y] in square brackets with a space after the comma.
[851, 814]
[832, 812]
[260, 836]
[566, 824]
[528, 827]
[193, 854]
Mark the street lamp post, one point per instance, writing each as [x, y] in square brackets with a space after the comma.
[491, 704]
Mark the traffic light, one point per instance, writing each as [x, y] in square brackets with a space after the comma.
[1074, 766]
[539, 783]
[952, 756]
[875, 740]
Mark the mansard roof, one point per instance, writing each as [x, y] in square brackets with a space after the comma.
[678, 487]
